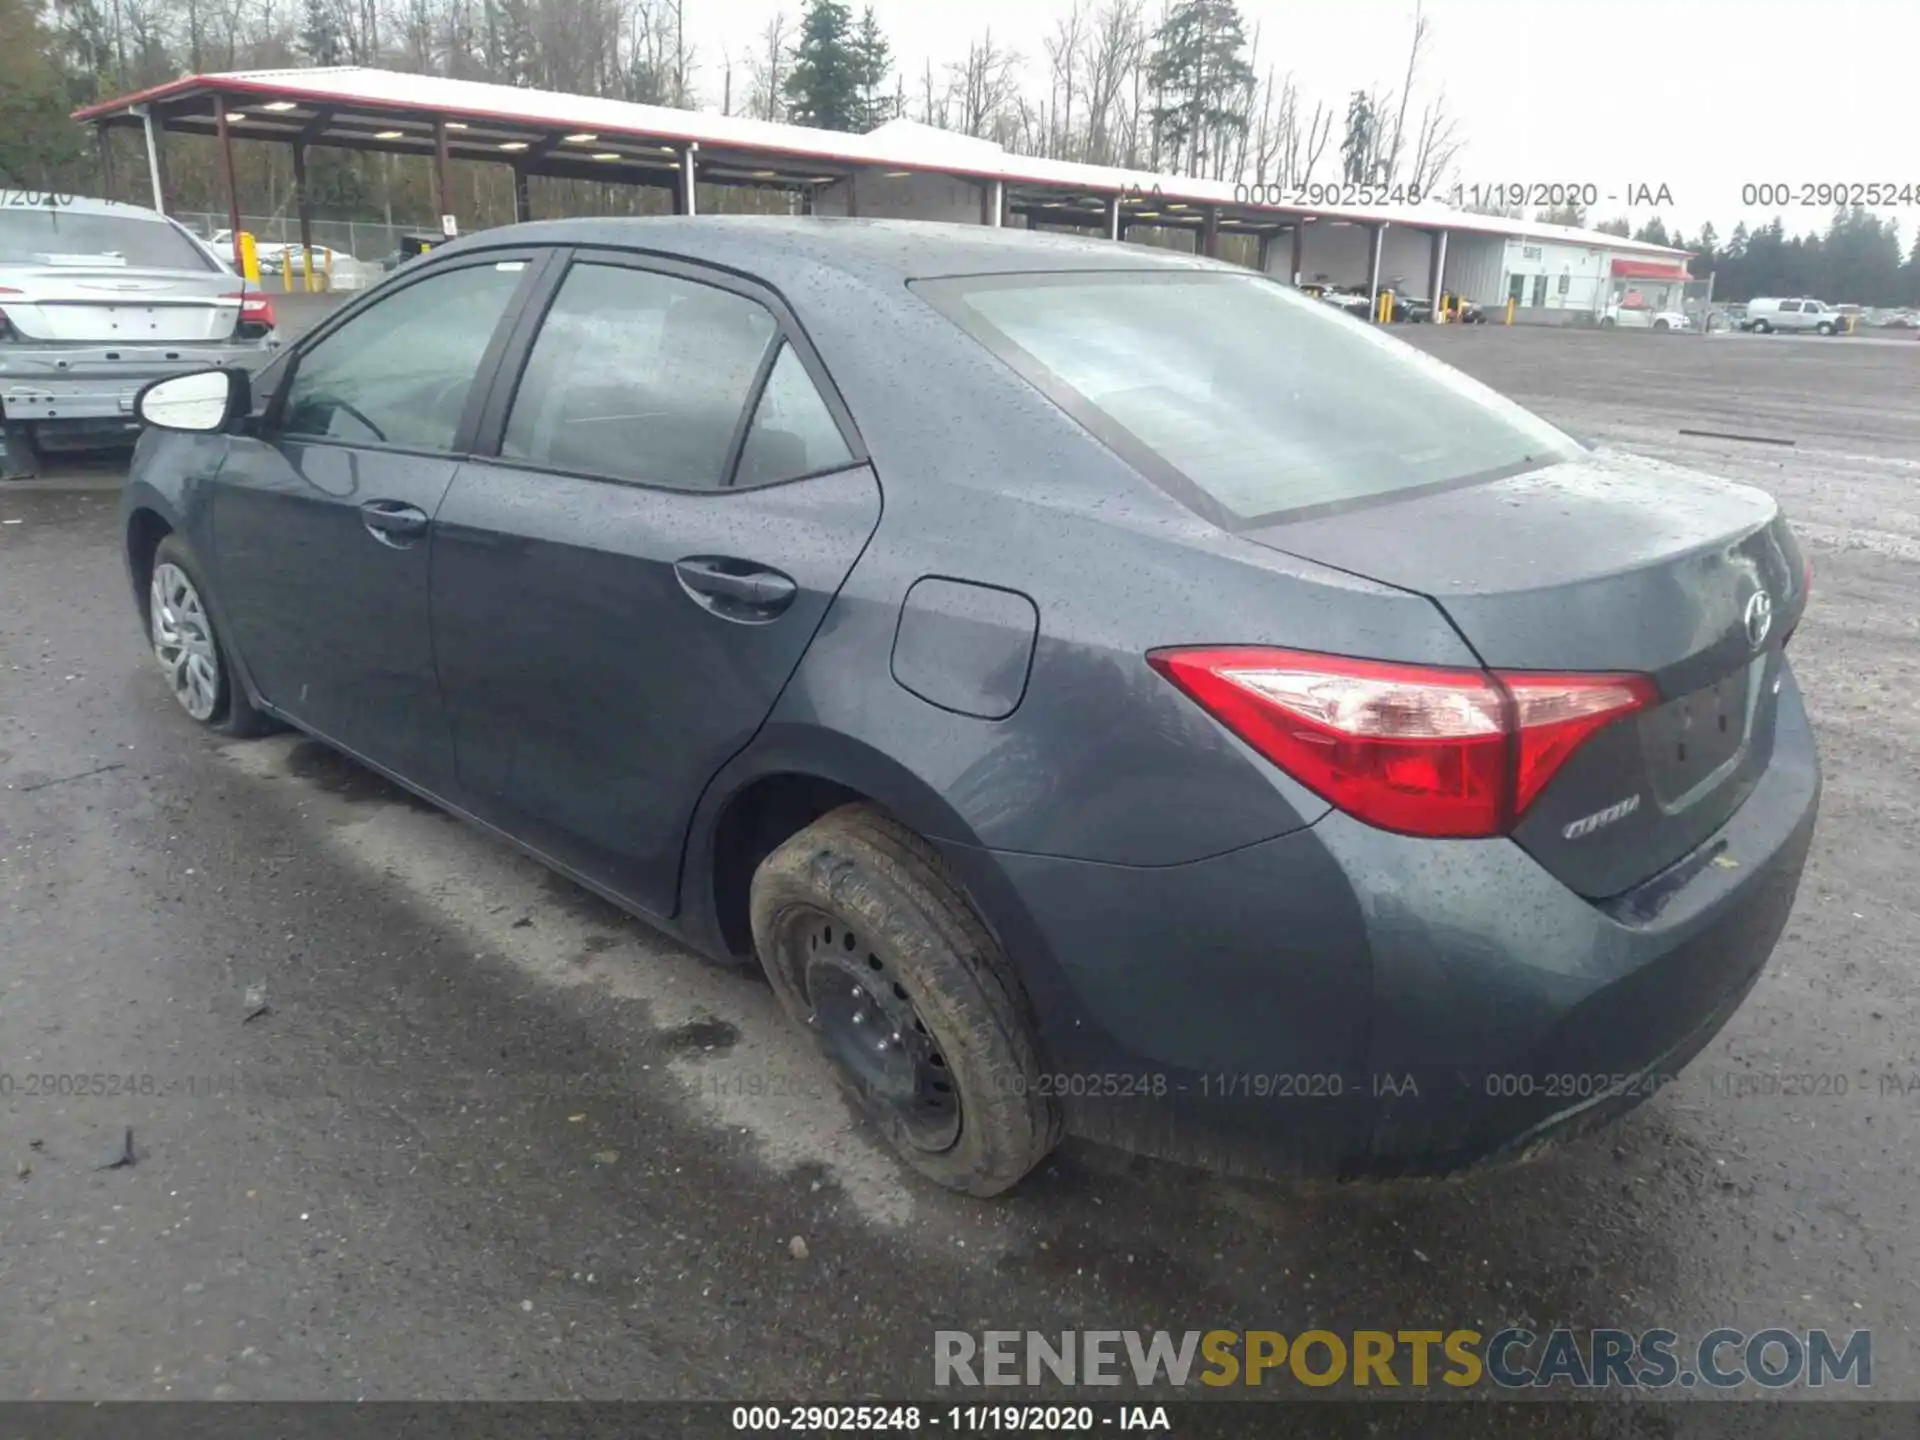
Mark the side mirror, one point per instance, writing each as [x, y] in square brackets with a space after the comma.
[205, 402]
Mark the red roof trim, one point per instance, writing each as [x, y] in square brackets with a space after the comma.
[1649, 270]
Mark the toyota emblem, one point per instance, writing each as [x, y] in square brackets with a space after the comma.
[1759, 618]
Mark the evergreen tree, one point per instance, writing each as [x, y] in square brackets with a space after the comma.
[1200, 79]
[320, 33]
[38, 143]
[1619, 225]
[1356, 150]
[824, 87]
[1653, 233]
[875, 60]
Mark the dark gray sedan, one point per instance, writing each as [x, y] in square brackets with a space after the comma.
[1107, 690]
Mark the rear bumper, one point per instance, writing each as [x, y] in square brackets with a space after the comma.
[1341, 1001]
[75, 383]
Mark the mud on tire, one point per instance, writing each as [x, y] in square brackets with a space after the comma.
[858, 922]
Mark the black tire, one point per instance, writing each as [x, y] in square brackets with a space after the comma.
[234, 712]
[1824, 328]
[1761, 327]
[1661, 325]
[855, 891]
[1606, 322]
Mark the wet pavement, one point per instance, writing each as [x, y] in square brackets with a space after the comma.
[411, 1117]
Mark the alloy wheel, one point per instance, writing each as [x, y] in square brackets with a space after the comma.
[183, 641]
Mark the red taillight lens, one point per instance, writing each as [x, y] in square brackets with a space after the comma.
[255, 308]
[1412, 748]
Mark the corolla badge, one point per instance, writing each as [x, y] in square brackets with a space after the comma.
[1585, 826]
[1759, 618]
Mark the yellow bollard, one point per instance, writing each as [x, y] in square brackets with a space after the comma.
[249, 257]
[326, 267]
[310, 280]
[1510, 304]
[286, 270]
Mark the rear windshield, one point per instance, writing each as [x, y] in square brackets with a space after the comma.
[68, 237]
[1248, 400]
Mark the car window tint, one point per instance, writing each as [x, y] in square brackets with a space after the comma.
[399, 373]
[1263, 399]
[792, 431]
[638, 376]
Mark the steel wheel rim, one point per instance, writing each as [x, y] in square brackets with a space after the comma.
[183, 641]
[868, 1023]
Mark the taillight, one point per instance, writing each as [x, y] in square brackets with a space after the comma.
[1417, 749]
[255, 308]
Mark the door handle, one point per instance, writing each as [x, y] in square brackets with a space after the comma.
[392, 522]
[735, 589]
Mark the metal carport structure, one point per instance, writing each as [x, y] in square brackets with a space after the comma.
[550, 134]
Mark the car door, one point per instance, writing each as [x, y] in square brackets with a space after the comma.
[622, 588]
[322, 516]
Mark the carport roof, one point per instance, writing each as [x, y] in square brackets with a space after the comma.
[585, 136]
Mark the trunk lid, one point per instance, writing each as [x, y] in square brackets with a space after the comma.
[115, 304]
[1606, 563]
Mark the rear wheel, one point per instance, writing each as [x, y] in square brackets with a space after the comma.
[871, 944]
[188, 650]
[1606, 322]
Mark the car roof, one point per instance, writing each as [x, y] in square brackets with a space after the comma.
[880, 250]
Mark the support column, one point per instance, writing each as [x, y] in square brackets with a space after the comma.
[1210, 232]
[1113, 217]
[442, 185]
[226, 170]
[1299, 250]
[685, 200]
[853, 192]
[522, 201]
[1266, 250]
[998, 205]
[303, 206]
[103, 144]
[153, 159]
[1376, 243]
[1437, 280]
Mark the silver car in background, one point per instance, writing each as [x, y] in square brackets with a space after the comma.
[96, 299]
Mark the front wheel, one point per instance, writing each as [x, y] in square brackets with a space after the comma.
[1606, 322]
[871, 944]
[189, 651]
[1661, 325]
[1824, 328]
[1761, 327]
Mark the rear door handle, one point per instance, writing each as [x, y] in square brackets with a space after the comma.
[735, 589]
[393, 522]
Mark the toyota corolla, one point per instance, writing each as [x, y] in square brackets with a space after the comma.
[1106, 690]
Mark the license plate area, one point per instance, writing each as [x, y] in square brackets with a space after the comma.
[1690, 740]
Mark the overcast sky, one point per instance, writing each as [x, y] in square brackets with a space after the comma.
[1702, 96]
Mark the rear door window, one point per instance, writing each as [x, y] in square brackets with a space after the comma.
[1244, 398]
[639, 376]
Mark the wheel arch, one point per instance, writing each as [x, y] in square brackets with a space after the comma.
[784, 781]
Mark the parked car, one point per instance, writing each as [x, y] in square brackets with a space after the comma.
[1148, 761]
[1644, 318]
[1767, 314]
[96, 299]
[1899, 320]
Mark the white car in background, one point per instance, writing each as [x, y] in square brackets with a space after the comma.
[1640, 317]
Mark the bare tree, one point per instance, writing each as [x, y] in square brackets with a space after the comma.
[1436, 149]
[983, 87]
[1112, 47]
[1063, 59]
[767, 67]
